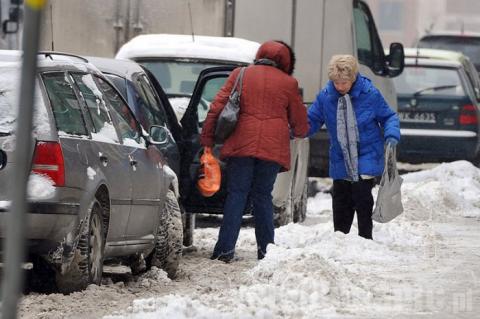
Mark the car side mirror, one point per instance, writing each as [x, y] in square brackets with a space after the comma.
[158, 134]
[395, 60]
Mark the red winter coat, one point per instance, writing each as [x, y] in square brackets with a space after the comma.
[270, 103]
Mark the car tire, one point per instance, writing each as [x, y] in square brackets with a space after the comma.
[169, 242]
[87, 264]
[300, 212]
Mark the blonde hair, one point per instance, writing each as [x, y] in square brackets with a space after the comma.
[343, 67]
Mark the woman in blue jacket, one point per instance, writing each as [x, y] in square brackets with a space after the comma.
[355, 114]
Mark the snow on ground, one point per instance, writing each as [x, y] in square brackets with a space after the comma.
[424, 264]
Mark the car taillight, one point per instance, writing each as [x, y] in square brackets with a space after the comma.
[48, 160]
[468, 115]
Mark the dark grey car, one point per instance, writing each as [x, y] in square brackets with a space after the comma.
[98, 188]
[151, 107]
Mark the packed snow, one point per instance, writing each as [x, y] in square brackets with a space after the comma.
[91, 173]
[40, 187]
[423, 264]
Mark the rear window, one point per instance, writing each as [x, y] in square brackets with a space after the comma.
[9, 91]
[65, 107]
[470, 46]
[421, 80]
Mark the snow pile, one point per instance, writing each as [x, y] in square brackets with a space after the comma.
[154, 277]
[310, 270]
[450, 189]
[313, 272]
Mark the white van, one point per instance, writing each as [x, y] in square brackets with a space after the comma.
[192, 69]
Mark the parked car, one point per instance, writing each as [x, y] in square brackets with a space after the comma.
[151, 107]
[98, 190]
[467, 43]
[195, 71]
[438, 107]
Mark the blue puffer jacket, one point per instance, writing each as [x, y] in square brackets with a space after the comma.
[372, 113]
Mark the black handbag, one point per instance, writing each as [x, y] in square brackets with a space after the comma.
[229, 116]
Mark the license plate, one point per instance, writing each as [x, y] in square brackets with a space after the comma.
[417, 117]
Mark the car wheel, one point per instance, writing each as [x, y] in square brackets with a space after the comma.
[300, 212]
[87, 264]
[169, 243]
[283, 215]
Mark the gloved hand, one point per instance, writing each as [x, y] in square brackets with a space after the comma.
[391, 141]
[292, 136]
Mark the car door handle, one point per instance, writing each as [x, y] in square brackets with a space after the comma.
[103, 159]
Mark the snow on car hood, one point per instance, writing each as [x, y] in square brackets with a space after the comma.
[183, 46]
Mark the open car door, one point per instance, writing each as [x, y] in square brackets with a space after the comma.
[209, 82]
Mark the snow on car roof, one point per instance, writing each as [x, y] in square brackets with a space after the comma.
[186, 46]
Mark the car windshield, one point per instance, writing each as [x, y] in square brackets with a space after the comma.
[421, 80]
[470, 46]
[177, 77]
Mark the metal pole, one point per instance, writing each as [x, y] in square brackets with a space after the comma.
[294, 24]
[15, 230]
[229, 22]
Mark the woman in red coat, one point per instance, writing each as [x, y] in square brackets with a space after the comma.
[270, 110]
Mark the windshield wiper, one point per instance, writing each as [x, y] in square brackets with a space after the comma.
[435, 88]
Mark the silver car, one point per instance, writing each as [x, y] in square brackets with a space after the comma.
[98, 190]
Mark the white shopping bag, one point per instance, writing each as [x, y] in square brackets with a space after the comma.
[389, 199]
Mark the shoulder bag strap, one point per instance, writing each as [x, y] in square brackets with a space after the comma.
[242, 72]
[237, 80]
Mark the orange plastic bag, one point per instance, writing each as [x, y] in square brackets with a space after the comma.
[210, 175]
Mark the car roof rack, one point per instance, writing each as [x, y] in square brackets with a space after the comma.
[49, 54]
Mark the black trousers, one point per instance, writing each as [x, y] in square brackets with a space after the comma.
[349, 197]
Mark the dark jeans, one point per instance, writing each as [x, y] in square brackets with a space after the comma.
[349, 197]
[247, 176]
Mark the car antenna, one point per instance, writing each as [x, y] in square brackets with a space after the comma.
[51, 25]
[191, 21]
